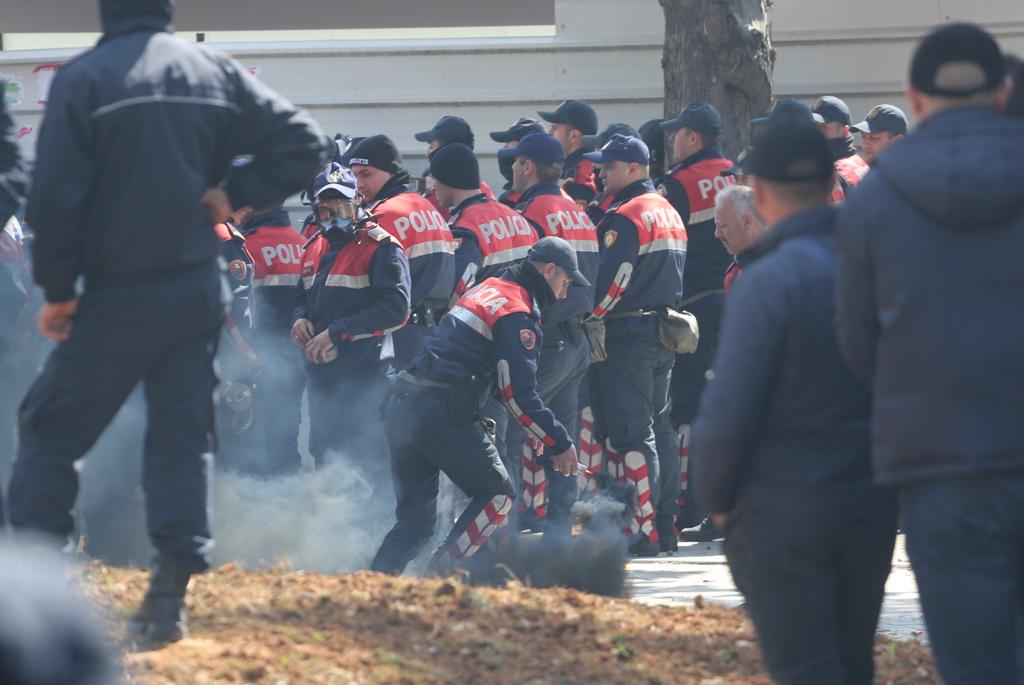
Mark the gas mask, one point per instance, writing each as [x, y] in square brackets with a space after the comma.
[337, 217]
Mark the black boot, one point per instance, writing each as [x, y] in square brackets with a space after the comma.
[161, 618]
[705, 532]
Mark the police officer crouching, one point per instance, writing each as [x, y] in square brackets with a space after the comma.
[491, 337]
[353, 293]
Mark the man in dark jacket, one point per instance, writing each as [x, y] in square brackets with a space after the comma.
[781, 440]
[138, 136]
[928, 302]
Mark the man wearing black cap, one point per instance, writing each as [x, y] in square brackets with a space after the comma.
[691, 186]
[447, 130]
[489, 236]
[640, 274]
[928, 300]
[395, 206]
[781, 439]
[883, 126]
[566, 354]
[490, 339]
[570, 121]
[133, 170]
[353, 294]
[835, 124]
[510, 138]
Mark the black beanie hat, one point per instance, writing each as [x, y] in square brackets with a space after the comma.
[456, 166]
[377, 151]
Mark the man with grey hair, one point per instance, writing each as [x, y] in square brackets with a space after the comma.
[738, 226]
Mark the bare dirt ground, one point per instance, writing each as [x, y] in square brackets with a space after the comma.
[282, 627]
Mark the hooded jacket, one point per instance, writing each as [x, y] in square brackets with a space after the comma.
[929, 297]
[135, 130]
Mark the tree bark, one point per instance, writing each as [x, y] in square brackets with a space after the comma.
[719, 51]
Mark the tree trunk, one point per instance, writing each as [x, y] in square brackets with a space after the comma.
[719, 51]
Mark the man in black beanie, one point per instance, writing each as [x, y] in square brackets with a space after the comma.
[490, 237]
[408, 216]
[929, 300]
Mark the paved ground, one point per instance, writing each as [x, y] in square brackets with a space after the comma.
[699, 568]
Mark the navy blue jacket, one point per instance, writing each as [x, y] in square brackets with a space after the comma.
[783, 425]
[135, 131]
[930, 286]
[13, 178]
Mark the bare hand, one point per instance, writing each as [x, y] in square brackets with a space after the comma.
[302, 332]
[566, 462]
[217, 204]
[535, 444]
[319, 350]
[55, 319]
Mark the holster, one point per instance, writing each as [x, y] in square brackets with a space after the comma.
[678, 331]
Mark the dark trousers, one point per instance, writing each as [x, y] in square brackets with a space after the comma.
[813, 586]
[163, 333]
[965, 537]
[344, 418]
[563, 365]
[630, 391]
[424, 440]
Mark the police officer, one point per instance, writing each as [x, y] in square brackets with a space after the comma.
[570, 121]
[835, 124]
[446, 131]
[565, 357]
[883, 126]
[353, 293]
[641, 272]
[276, 249]
[423, 232]
[691, 186]
[510, 138]
[492, 337]
[490, 237]
[13, 278]
[597, 207]
[154, 297]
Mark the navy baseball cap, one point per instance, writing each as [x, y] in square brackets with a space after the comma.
[969, 46]
[698, 116]
[540, 147]
[345, 156]
[791, 151]
[597, 141]
[831, 108]
[448, 129]
[789, 109]
[883, 119]
[555, 250]
[621, 149]
[519, 130]
[575, 113]
[739, 167]
[335, 177]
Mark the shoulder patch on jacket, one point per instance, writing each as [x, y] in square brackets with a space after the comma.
[609, 237]
[528, 338]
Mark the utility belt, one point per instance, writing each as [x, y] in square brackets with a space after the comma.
[427, 313]
[464, 399]
[677, 330]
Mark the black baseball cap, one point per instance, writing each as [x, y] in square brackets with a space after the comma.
[787, 109]
[739, 167]
[883, 119]
[448, 129]
[575, 113]
[831, 108]
[519, 130]
[790, 151]
[540, 147]
[555, 250]
[621, 149]
[964, 44]
[604, 136]
[698, 116]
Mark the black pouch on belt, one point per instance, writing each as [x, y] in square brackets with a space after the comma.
[464, 400]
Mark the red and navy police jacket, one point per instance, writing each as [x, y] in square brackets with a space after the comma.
[424, 235]
[276, 250]
[489, 237]
[485, 188]
[643, 252]
[356, 287]
[493, 333]
[551, 213]
[578, 177]
[691, 187]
